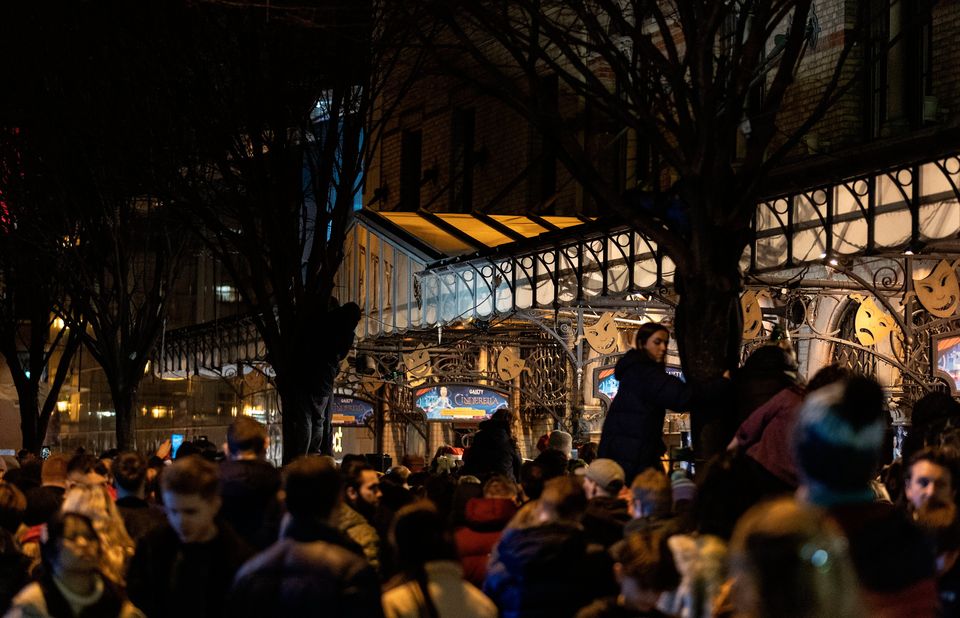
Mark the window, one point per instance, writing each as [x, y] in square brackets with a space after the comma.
[226, 293]
[411, 148]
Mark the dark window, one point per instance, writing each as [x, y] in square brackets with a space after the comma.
[461, 160]
[918, 59]
[543, 152]
[411, 147]
[899, 57]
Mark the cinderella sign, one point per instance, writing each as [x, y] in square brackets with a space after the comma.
[459, 402]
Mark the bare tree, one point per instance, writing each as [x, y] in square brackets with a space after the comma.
[36, 344]
[702, 84]
[284, 99]
[100, 146]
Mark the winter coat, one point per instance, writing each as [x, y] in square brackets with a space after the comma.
[14, 569]
[893, 560]
[604, 520]
[492, 452]
[355, 526]
[765, 435]
[44, 599]
[249, 489]
[486, 519]
[633, 430]
[292, 578]
[170, 578]
[451, 596]
[140, 518]
[543, 571]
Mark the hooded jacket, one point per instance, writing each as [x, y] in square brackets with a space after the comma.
[486, 519]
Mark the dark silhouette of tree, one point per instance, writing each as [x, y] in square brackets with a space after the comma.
[34, 341]
[101, 145]
[283, 100]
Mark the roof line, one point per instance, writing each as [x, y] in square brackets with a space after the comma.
[372, 217]
[605, 224]
[452, 230]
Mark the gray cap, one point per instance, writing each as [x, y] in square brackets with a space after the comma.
[607, 473]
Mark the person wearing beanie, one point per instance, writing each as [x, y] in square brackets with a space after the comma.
[561, 441]
[837, 444]
[684, 490]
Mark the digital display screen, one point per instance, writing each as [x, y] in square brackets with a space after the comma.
[947, 355]
[608, 385]
[350, 412]
[459, 402]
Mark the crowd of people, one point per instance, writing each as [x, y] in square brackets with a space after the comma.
[797, 518]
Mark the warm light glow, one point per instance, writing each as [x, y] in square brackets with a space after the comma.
[63, 406]
[160, 412]
[58, 323]
[233, 411]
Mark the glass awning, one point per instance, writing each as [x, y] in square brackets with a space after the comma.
[445, 235]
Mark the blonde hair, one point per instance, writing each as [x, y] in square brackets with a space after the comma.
[116, 545]
[790, 560]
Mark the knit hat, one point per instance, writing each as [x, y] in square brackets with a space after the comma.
[606, 473]
[838, 440]
[683, 488]
[561, 441]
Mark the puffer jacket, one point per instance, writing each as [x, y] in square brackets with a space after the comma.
[486, 519]
[542, 571]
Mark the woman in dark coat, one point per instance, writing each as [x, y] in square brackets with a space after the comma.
[633, 430]
[494, 450]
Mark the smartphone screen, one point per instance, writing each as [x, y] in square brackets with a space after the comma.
[175, 441]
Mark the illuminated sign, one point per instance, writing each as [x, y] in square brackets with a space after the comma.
[607, 384]
[459, 402]
[946, 357]
[350, 411]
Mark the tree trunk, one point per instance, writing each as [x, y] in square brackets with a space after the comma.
[708, 331]
[30, 423]
[125, 405]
